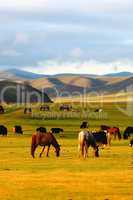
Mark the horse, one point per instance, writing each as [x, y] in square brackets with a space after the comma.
[111, 132]
[86, 140]
[46, 139]
[100, 137]
[84, 125]
[17, 129]
[127, 133]
[3, 130]
[58, 131]
[104, 127]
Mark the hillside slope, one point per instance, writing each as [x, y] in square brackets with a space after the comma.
[12, 92]
[76, 85]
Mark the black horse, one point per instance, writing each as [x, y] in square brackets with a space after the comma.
[17, 129]
[84, 125]
[127, 133]
[100, 137]
[3, 130]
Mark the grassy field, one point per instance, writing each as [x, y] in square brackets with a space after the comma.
[68, 177]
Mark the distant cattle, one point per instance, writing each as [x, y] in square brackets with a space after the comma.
[27, 111]
[65, 107]
[58, 131]
[100, 137]
[2, 110]
[98, 110]
[84, 125]
[45, 108]
[127, 133]
[17, 130]
[3, 130]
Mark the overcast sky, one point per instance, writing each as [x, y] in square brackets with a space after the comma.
[73, 36]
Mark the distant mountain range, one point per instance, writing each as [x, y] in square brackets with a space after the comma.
[25, 75]
[19, 75]
[74, 84]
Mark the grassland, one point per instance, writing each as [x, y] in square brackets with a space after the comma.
[67, 177]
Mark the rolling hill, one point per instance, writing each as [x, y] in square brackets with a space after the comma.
[12, 92]
[70, 84]
[18, 75]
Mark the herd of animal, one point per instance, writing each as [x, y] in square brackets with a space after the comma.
[86, 138]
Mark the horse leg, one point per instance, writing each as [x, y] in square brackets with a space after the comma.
[86, 151]
[48, 151]
[109, 139]
[85, 148]
[82, 150]
[79, 149]
[96, 150]
[115, 134]
[42, 152]
[33, 149]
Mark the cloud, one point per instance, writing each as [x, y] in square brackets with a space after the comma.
[76, 53]
[77, 67]
[9, 53]
[67, 33]
[21, 38]
[68, 5]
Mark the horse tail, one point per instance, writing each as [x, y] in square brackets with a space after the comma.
[33, 145]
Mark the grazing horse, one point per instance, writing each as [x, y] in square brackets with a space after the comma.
[3, 130]
[17, 129]
[46, 139]
[58, 131]
[128, 132]
[113, 132]
[86, 140]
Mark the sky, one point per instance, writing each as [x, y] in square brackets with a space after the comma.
[65, 36]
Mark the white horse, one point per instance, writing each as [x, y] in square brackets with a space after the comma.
[86, 140]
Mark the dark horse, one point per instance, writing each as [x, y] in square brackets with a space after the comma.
[46, 139]
[3, 130]
[128, 132]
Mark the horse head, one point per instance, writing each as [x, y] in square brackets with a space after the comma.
[57, 150]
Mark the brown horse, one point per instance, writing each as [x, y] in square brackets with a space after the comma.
[113, 132]
[46, 139]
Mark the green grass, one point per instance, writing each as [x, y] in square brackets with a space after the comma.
[68, 177]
